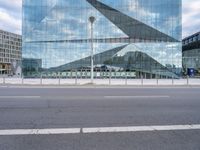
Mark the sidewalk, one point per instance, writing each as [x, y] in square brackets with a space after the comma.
[114, 82]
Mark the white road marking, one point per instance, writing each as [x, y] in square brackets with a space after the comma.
[3, 86]
[40, 131]
[10, 132]
[15, 97]
[150, 96]
[140, 128]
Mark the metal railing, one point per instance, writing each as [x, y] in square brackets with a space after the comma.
[105, 81]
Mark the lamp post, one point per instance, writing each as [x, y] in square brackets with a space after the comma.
[92, 19]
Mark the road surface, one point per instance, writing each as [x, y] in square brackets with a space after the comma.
[99, 118]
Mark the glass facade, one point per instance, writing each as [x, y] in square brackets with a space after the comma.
[191, 54]
[138, 36]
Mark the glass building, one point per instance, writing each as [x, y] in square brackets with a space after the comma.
[140, 37]
[191, 54]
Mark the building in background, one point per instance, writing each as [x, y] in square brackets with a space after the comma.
[191, 55]
[10, 54]
[138, 36]
[31, 67]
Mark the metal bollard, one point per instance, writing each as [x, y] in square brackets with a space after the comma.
[110, 77]
[76, 79]
[59, 80]
[4, 80]
[157, 80]
[142, 82]
[22, 80]
[41, 80]
[187, 80]
[126, 79]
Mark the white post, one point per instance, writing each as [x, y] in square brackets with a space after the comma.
[76, 78]
[157, 79]
[110, 77]
[40, 79]
[22, 79]
[126, 79]
[142, 82]
[4, 80]
[59, 79]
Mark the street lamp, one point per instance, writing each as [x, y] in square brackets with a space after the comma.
[92, 19]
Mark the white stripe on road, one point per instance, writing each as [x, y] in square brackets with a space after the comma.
[152, 96]
[14, 97]
[40, 131]
[3, 86]
[97, 130]
[107, 97]
[140, 128]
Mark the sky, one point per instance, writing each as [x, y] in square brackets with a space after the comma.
[11, 16]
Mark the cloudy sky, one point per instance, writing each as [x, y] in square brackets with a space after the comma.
[11, 14]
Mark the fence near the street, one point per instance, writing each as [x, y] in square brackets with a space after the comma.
[105, 81]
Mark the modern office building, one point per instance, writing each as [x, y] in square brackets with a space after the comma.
[191, 54]
[31, 67]
[138, 36]
[10, 54]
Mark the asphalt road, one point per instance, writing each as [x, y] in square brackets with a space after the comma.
[86, 107]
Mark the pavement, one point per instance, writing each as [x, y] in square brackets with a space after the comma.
[99, 118]
[100, 82]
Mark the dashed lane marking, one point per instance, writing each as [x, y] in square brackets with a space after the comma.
[10, 132]
[15, 97]
[128, 97]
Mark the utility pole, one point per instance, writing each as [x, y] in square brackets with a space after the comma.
[92, 19]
